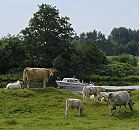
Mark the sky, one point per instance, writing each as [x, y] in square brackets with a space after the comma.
[85, 15]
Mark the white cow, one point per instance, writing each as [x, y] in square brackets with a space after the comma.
[119, 98]
[92, 90]
[14, 85]
[74, 103]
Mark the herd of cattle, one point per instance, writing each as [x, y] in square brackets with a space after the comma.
[113, 99]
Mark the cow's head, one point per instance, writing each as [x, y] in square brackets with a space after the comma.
[110, 97]
[131, 104]
[52, 71]
[113, 106]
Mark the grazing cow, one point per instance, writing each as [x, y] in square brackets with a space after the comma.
[37, 74]
[103, 97]
[14, 85]
[119, 98]
[74, 103]
[92, 90]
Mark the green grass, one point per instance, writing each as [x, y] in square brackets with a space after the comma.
[43, 109]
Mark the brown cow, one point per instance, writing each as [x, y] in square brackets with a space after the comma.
[37, 74]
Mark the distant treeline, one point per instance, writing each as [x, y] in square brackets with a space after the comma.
[50, 41]
[120, 41]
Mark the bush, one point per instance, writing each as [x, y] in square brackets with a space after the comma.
[11, 77]
[119, 70]
[129, 59]
[132, 78]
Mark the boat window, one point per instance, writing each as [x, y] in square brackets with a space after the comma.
[71, 80]
[77, 81]
[65, 80]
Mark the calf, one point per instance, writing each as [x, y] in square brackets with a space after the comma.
[74, 103]
[14, 85]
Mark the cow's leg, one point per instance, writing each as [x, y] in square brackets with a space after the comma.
[28, 84]
[84, 98]
[125, 107]
[110, 112]
[96, 98]
[79, 110]
[66, 111]
[44, 84]
[110, 109]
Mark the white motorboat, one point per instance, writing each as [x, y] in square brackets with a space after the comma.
[73, 84]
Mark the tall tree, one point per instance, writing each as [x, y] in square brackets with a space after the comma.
[95, 38]
[120, 35]
[46, 36]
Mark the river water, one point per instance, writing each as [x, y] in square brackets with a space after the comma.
[107, 88]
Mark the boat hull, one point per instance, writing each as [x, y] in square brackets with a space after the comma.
[71, 86]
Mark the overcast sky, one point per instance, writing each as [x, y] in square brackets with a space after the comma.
[85, 15]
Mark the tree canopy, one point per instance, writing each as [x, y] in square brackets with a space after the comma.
[124, 41]
[46, 36]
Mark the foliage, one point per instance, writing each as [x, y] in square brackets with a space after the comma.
[46, 36]
[96, 38]
[120, 66]
[124, 41]
[83, 62]
[12, 53]
[118, 70]
[129, 59]
[11, 77]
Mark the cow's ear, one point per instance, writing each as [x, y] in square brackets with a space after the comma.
[54, 70]
[49, 71]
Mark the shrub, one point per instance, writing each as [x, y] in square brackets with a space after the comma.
[129, 59]
[117, 69]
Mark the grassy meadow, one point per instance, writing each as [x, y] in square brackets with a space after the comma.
[43, 109]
